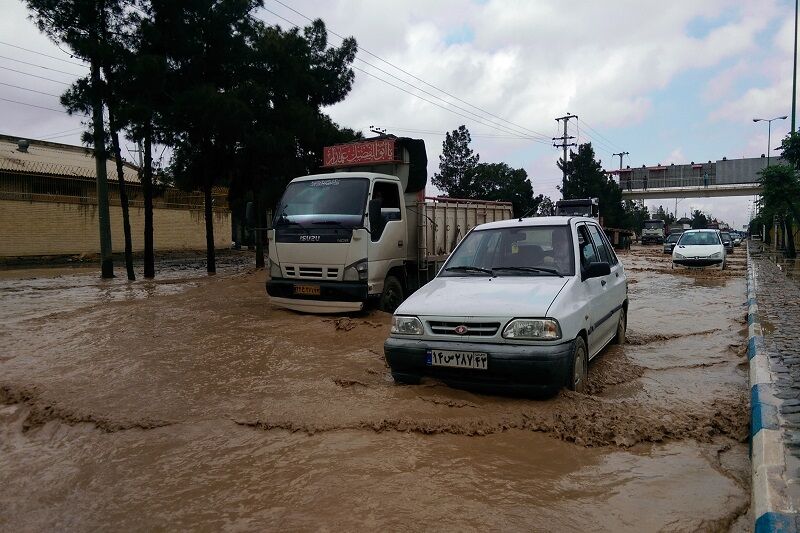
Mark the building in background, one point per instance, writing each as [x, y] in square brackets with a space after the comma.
[48, 205]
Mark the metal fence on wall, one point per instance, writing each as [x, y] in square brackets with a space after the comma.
[70, 188]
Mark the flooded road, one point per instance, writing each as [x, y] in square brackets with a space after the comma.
[190, 402]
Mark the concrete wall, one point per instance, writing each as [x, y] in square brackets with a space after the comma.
[49, 228]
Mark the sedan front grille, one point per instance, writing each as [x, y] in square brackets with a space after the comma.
[470, 329]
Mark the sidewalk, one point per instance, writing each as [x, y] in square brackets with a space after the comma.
[774, 352]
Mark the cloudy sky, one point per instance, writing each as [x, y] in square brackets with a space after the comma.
[669, 82]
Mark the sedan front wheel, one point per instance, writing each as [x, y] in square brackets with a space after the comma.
[580, 367]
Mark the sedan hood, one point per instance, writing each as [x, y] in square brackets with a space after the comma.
[703, 250]
[473, 296]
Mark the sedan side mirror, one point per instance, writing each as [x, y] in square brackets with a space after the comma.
[597, 270]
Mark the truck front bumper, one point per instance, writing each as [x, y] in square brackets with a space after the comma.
[522, 369]
[333, 297]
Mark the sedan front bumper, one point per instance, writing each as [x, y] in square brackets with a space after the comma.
[703, 262]
[523, 369]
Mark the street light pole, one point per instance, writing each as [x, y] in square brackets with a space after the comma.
[794, 66]
[769, 131]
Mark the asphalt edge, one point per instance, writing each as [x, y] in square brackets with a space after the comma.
[772, 510]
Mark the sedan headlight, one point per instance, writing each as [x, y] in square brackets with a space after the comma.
[679, 256]
[406, 325]
[532, 329]
[274, 270]
[357, 271]
[715, 255]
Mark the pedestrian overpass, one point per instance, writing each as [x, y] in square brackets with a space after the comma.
[726, 177]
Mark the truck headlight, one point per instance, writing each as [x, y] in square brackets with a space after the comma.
[679, 256]
[715, 255]
[532, 329]
[274, 270]
[406, 325]
[357, 271]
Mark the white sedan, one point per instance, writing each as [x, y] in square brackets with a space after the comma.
[520, 306]
[699, 248]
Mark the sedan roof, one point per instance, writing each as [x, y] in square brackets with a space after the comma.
[533, 221]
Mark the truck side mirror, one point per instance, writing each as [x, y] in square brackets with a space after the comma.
[250, 214]
[376, 222]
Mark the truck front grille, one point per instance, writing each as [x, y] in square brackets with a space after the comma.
[473, 329]
[311, 272]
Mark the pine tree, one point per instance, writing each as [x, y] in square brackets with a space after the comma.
[457, 164]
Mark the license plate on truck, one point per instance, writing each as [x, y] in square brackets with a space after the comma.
[307, 290]
[454, 359]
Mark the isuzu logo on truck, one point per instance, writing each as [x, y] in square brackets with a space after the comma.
[309, 238]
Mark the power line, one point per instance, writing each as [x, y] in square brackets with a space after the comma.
[57, 134]
[441, 134]
[613, 144]
[40, 66]
[45, 55]
[34, 75]
[500, 127]
[40, 106]
[30, 90]
[362, 49]
[437, 105]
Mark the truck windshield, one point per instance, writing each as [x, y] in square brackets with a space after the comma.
[654, 225]
[526, 251]
[331, 200]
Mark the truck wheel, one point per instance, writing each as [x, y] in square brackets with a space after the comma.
[579, 369]
[622, 326]
[392, 295]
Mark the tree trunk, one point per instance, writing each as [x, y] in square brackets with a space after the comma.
[790, 251]
[104, 219]
[209, 213]
[147, 189]
[123, 196]
[259, 233]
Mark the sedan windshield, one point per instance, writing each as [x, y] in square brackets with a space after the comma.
[336, 201]
[700, 238]
[526, 251]
[674, 237]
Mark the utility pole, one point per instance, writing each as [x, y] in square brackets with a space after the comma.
[564, 144]
[621, 154]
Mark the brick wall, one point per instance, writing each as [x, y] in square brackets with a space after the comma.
[45, 228]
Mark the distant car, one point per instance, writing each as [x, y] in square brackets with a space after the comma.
[737, 240]
[699, 248]
[727, 240]
[669, 244]
[520, 305]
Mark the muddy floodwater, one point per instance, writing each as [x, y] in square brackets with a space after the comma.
[190, 402]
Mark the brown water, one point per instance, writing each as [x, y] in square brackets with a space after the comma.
[190, 402]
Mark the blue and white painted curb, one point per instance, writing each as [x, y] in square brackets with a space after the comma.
[771, 507]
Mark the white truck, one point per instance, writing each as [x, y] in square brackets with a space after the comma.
[366, 230]
[653, 231]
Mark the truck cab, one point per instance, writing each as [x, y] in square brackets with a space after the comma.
[365, 231]
[334, 240]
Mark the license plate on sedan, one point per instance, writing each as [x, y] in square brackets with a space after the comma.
[308, 290]
[455, 359]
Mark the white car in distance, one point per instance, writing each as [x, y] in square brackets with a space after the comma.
[699, 248]
[520, 305]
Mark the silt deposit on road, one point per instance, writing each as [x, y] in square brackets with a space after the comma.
[190, 402]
